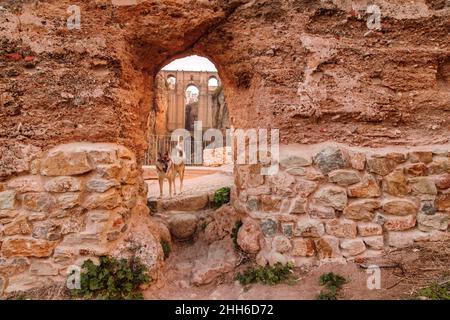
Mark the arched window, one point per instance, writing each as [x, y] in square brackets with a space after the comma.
[171, 82]
[213, 83]
[192, 94]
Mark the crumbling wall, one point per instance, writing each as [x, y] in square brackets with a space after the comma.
[77, 201]
[331, 202]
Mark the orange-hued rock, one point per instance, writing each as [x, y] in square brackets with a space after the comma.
[27, 247]
[367, 188]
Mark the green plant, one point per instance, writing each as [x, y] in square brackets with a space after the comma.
[234, 233]
[166, 248]
[435, 291]
[112, 279]
[269, 275]
[222, 196]
[333, 283]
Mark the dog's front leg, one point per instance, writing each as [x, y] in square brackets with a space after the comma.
[161, 186]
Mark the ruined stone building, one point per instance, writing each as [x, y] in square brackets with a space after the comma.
[363, 115]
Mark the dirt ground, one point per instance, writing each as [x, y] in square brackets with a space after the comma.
[403, 273]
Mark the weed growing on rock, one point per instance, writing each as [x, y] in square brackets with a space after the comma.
[222, 196]
[166, 248]
[234, 233]
[269, 275]
[435, 291]
[112, 279]
[333, 283]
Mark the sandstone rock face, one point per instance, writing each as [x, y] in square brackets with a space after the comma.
[362, 209]
[302, 247]
[330, 159]
[400, 207]
[366, 229]
[70, 206]
[352, 247]
[344, 177]
[332, 196]
[183, 226]
[396, 223]
[221, 259]
[367, 188]
[342, 228]
[249, 236]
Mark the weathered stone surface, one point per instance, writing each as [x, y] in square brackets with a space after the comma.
[427, 207]
[421, 156]
[362, 209]
[321, 212]
[270, 202]
[184, 203]
[108, 200]
[298, 206]
[130, 194]
[109, 171]
[63, 184]
[100, 185]
[366, 229]
[344, 177]
[327, 247]
[102, 156]
[183, 226]
[439, 165]
[249, 236]
[38, 201]
[221, 259]
[67, 200]
[443, 202]
[3, 284]
[297, 171]
[417, 169]
[396, 183]
[341, 228]
[399, 223]
[269, 227]
[19, 226]
[381, 165]
[295, 161]
[65, 163]
[25, 247]
[13, 266]
[400, 207]
[423, 185]
[374, 242]
[46, 230]
[309, 228]
[367, 188]
[438, 221]
[252, 204]
[329, 159]
[352, 247]
[7, 216]
[403, 239]
[281, 244]
[331, 196]
[7, 199]
[305, 187]
[303, 247]
[287, 228]
[26, 184]
[357, 160]
[39, 268]
[397, 156]
[443, 181]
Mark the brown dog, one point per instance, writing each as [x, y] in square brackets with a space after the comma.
[166, 168]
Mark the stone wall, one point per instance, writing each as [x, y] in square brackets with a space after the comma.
[217, 156]
[76, 201]
[332, 202]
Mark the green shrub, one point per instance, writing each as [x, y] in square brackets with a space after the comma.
[333, 283]
[234, 233]
[266, 275]
[166, 248]
[222, 196]
[112, 279]
[435, 291]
